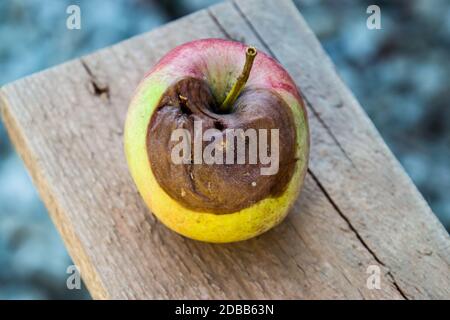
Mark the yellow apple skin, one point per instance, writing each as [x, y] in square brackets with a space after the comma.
[218, 62]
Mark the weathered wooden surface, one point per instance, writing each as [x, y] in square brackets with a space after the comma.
[358, 207]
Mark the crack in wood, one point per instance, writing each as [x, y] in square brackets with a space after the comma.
[347, 220]
[328, 130]
[96, 87]
[400, 290]
[252, 28]
[219, 25]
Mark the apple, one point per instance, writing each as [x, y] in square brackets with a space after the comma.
[208, 88]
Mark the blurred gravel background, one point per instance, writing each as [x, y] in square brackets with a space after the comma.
[400, 74]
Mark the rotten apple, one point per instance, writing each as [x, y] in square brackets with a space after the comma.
[217, 140]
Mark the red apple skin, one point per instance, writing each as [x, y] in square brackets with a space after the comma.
[219, 63]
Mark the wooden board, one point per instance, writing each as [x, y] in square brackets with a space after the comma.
[358, 207]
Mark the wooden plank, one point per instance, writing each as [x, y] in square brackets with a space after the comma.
[67, 124]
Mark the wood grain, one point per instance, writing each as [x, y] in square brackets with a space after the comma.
[358, 207]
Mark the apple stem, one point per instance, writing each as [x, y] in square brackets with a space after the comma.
[250, 54]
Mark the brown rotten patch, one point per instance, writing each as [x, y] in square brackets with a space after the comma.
[219, 188]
